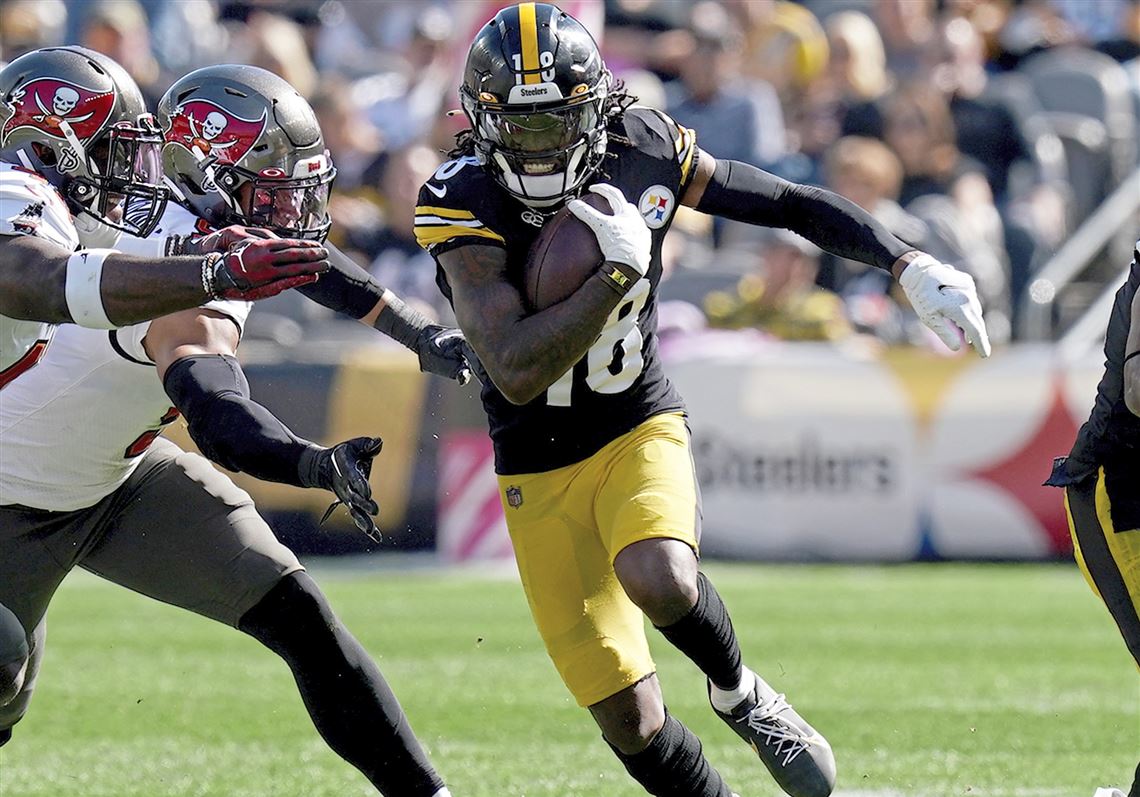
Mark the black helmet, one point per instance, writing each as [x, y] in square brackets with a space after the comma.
[535, 90]
[243, 147]
[76, 118]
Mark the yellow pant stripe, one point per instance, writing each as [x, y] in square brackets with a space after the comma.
[445, 213]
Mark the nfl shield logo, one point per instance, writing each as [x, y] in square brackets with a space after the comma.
[514, 497]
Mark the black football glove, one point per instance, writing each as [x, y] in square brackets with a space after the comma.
[344, 469]
[445, 352]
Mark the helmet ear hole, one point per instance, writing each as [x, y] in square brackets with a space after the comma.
[45, 154]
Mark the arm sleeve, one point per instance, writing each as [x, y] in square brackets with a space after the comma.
[345, 287]
[741, 192]
[229, 428]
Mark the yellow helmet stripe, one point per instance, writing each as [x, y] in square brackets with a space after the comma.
[528, 35]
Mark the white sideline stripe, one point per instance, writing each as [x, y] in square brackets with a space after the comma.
[974, 792]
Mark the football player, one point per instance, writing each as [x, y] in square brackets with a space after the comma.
[591, 445]
[75, 141]
[102, 500]
[1101, 473]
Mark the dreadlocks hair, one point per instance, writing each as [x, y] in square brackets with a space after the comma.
[618, 100]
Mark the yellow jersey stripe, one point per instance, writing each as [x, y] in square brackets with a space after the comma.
[430, 236]
[447, 213]
[528, 34]
[687, 161]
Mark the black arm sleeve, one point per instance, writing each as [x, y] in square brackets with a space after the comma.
[212, 393]
[345, 287]
[741, 192]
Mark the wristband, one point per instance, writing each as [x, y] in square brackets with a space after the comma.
[615, 278]
[83, 288]
[401, 323]
[209, 278]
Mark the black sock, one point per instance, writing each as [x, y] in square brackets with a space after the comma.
[705, 635]
[5, 736]
[673, 765]
[1135, 790]
[348, 699]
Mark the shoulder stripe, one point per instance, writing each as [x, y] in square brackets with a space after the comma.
[447, 213]
[430, 221]
[429, 236]
[687, 147]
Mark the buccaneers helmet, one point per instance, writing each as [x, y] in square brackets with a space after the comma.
[243, 147]
[535, 89]
[75, 117]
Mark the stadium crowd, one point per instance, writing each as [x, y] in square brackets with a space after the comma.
[928, 113]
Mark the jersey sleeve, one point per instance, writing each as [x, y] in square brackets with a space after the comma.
[445, 218]
[655, 132]
[29, 205]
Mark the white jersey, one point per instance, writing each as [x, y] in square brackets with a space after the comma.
[73, 428]
[29, 205]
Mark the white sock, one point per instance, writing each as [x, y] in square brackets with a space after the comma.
[725, 700]
[442, 793]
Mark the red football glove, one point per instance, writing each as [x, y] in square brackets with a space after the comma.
[216, 241]
[262, 267]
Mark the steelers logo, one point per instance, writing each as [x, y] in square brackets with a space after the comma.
[657, 204]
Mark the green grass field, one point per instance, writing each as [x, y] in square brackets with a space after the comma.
[929, 681]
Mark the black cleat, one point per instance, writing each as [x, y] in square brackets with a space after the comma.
[798, 757]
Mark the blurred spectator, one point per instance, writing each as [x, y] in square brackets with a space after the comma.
[780, 297]
[277, 43]
[404, 101]
[814, 124]
[784, 44]
[907, 26]
[1033, 26]
[354, 142]
[985, 129]
[120, 29]
[27, 25]
[859, 70]
[950, 194]
[733, 118]
[179, 53]
[397, 261]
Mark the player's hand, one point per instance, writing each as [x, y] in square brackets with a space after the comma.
[622, 236]
[946, 300]
[260, 267]
[218, 241]
[445, 352]
[344, 469]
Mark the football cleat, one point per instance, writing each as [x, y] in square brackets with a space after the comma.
[798, 757]
[1108, 792]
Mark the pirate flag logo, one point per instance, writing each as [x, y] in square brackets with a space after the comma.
[46, 103]
[210, 131]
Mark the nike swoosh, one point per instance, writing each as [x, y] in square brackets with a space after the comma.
[439, 192]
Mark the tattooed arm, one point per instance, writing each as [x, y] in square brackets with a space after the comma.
[523, 354]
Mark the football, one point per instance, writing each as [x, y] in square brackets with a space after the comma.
[563, 256]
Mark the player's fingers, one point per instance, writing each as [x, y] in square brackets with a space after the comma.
[586, 214]
[973, 325]
[947, 332]
[612, 195]
[276, 287]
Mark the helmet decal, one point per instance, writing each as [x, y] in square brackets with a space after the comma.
[209, 130]
[46, 103]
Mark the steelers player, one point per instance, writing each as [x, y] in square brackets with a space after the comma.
[1101, 473]
[591, 444]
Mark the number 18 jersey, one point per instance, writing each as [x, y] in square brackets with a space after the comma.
[619, 382]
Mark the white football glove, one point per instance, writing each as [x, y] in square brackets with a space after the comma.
[946, 301]
[623, 236]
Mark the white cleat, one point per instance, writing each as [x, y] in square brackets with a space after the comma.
[1106, 792]
[799, 758]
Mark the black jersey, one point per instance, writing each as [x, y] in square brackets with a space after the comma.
[619, 382]
[1111, 436]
